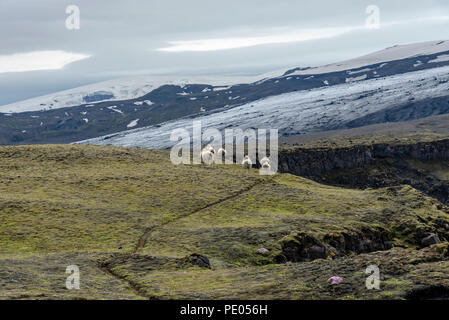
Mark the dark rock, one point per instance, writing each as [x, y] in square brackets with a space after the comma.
[435, 292]
[199, 260]
[298, 247]
[280, 258]
[360, 242]
[303, 247]
[430, 240]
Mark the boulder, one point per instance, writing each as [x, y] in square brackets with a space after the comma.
[303, 247]
[430, 240]
[199, 260]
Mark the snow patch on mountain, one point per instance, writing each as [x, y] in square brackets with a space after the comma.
[132, 123]
[350, 72]
[114, 108]
[354, 79]
[442, 58]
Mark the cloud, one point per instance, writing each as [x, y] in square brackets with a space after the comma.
[291, 36]
[295, 35]
[38, 60]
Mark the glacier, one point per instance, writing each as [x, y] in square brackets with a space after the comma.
[299, 112]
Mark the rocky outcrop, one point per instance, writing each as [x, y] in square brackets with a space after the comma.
[309, 162]
[360, 242]
[301, 247]
[199, 260]
[430, 240]
[435, 292]
[370, 166]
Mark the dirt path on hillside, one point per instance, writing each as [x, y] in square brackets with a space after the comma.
[143, 239]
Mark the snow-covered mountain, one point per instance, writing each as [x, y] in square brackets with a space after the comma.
[304, 111]
[113, 90]
[295, 101]
[389, 54]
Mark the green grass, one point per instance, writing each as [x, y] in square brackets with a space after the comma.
[232, 232]
[90, 205]
[401, 270]
[42, 276]
[56, 198]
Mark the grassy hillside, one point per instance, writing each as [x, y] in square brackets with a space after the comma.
[132, 221]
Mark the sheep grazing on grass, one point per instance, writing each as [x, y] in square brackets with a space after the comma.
[221, 155]
[209, 148]
[266, 166]
[207, 156]
[247, 163]
[264, 160]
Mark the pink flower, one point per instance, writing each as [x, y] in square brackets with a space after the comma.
[335, 280]
[262, 250]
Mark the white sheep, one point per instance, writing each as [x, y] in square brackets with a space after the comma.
[221, 155]
[221, 152]
[264, 160]
[247, 163]
[266, 166]
[209, 148]
[207, 156]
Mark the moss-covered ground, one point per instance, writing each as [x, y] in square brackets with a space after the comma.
[128, 218]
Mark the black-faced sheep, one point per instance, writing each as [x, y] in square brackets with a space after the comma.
[266, 166]
[264, 160]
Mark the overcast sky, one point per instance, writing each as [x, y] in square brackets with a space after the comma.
[118, 38]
